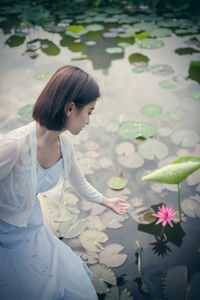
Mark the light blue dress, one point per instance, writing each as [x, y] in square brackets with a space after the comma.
[34, 264]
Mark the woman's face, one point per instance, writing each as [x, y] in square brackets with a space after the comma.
[77, 119]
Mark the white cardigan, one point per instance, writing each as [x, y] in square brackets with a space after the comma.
[18, 174]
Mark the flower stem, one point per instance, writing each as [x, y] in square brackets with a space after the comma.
[179, 201]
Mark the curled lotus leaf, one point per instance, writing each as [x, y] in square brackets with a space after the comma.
[133, 130]
[172, 174]
[151, 149]
[26, 112]
[185, 138]
[117, 182]
[91, 240]
[132, 161]
[94, 222]
[151, 110]
[70, 230]
[101, 275]
[114, 294]
[125, 148]
[143, 215]
[150, 43]
[112, 220]
[111, 257]
[191, 206]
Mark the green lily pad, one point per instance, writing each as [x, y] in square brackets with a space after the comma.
[133, 130]
[185, 51]
[143, 215]
[49, 47]
[111, 257]
[76, 47]
[92, 35]
[90, 43]
[101, 275]
[124, 45]
[91, 240]
[15, 40]
[114, 50]
[194, 71]
[117, 182]
[196, 95]
[172, 174]
[152, 149]
[114, 294]
[26, 112]
[150, 43]
[166, 84]
[161, 32]
[43, 76]
[145, 26]
[142, 36]
[193, 41]
[81, 57]
[35, 15]
[94, 27]
[75, 28]
[137, 57]
[112, 220]
[71, 230]
[141, 69]
[151, 110]
[161, 69]
[185, 138]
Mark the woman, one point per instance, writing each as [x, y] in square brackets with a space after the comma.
[33, 159]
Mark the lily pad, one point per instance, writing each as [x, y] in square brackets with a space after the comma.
[88, 165]
[166, 84]
[70, 230]
[125, 148]
[75, 28]
[194, 71]
[131, 161]
[114, 294]
[114, 50]
[196, 95]
[172, 174]
[90, 43]
[151, 110]
[161, 32]
[109, 34]
[143, 215]
[49, 47]
[161, 69]
[185, 51]
[81, 57]
[112, 220]
[133, 130]
[137, 57]
[88, 257]
[43, 76]
[117, 182]
[142, 36]
[76, 47]
[91, 240]
[144, 26]
[94, 27]
[185, 138]
[141, 69]
[191, 206]
[150, 43]
[111, 257]
[58, 212]
[124, 45]
[102, 275]
[94, 222]
[152, 149]
[26, 112]
[105, 162]
[15, 40]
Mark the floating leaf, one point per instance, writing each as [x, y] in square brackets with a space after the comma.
[172, 174]
[166, 84]
[101, 275]
[196, 95]
[117, 182]
[140, 69]
[90, 43]
[49, 47]
[81, 57]
[76, 47]
[94, 27]
[150, 43]
[185, 138]
[191, 206]
[112, 220]
[151, 110]
[137, 57]
[174, 283]
[88, 165]
[109, 34]
[194, 71]
[70, 230]
[123, 45]
[94, 222]
[161, 69]
[125, 148]
[161, 32]
[43, 76]
[145, 26]
[114, 50]
[152, 149]
[114, 294]
[105, 162]
[131, 161]
[143, 215]
[58, 212]
[133, 130]
[75, 28]
[26, 112]
[111, 257]
[92, 239]
[89, 257]
[185, 51]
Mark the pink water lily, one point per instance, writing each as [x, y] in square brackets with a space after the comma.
[165, 215]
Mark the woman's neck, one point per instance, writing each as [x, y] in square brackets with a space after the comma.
[46, 136]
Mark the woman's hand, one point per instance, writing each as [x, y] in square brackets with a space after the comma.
[116, 204]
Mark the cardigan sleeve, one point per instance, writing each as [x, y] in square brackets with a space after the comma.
[8, 156]
[80, 184]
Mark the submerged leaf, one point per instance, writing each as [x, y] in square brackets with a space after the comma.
[101, 275]
[111, 257]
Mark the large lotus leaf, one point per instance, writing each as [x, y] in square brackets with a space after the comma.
[186, 159]
[191, 206]
[174, 283]
[162, 69]
[194, 71]
[117, 182]
[125, 148]
[151, 110]
[150, 43]
[132, 161]
[15, 40]
[112, 220]
[91, 240]
[114, 50]
[152, 149]
[185, 138]
[26, 112]
[172, 174]
[143, 215]
[138, 57]
[49, 47]
[196, 95]
[71, 230]
[111, 257]
[94, 222]
[133, 130]
[101, 275]
[161, 32]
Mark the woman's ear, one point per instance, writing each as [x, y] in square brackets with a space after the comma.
[68, 108]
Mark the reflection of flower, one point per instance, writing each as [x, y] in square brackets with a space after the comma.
[165, 215]
[159, 247]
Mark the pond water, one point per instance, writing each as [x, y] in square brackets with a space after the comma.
[164, 82]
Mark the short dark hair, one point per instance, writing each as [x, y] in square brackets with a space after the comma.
[68, 84]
